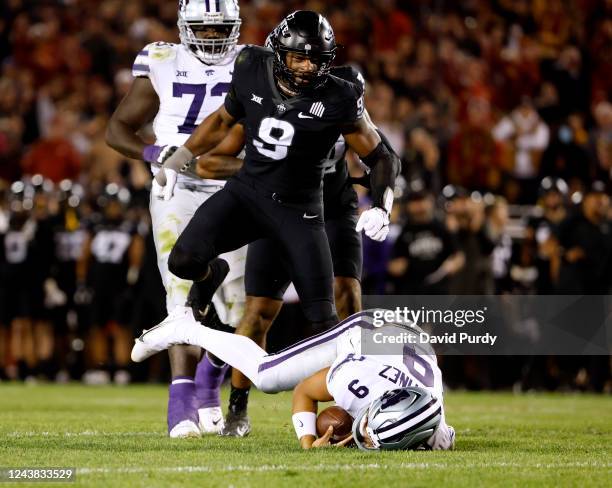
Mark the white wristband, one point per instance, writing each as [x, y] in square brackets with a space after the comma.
[305, 423]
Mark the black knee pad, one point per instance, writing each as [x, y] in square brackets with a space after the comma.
[323, 326]
[322, 315]
[320, 311]
[186, 264]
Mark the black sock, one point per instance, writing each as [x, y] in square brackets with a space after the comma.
[206, 288]
[239, 399]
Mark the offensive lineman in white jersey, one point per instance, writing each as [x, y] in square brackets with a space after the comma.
[177, 86]
[395, 399]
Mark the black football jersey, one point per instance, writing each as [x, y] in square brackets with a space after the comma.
[288, 139]
[335, 170]
[110, 243]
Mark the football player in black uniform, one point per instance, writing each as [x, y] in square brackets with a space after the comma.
[26, 252]
[294, 111]
[112, 250]
[542, 228]
[267, 268]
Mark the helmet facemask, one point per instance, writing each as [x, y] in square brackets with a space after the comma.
[210, 33]
[362, 434]
[302, 82]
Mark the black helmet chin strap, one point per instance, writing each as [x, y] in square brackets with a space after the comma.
[285, 91]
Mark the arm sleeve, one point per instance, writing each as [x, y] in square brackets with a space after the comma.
[386, 167]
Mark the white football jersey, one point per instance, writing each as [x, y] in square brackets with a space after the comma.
[355, 380]
[188, 91]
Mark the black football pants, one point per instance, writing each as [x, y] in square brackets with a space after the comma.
[241, 213]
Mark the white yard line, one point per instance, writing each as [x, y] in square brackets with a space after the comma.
[85, 433]
[334, 467]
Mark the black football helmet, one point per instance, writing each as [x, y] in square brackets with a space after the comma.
[310, 34]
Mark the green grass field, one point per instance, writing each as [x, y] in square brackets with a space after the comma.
[116, 437]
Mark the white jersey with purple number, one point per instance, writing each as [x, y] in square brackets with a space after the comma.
[355, 380]
[188, 91]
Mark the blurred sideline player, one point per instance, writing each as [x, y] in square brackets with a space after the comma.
[267, 270]
[26, 255]
[294, 111]
[111, 249]
[69, 237]
[395, 399]
[178, 85]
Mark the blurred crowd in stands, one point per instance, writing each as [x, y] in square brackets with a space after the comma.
[501, 112]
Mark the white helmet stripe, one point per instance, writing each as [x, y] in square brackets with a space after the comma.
[430, 412]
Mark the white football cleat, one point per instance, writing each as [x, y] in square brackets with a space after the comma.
[184, 429]
[211, 420]
[170, 332]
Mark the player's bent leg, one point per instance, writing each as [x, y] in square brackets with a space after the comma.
[188, 264]
[265, 281]
[207, 235]
[229, 303]
[194, 255]
[272, 373]
[347, 292]
[260, 313]
[283, 370]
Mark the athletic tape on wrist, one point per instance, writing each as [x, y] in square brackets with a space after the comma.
[180, 160]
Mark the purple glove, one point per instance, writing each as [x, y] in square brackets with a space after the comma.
[151, 153]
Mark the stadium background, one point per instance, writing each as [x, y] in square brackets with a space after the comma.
[487, 97]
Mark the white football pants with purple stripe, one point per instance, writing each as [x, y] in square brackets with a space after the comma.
[169, 219]
[283, 370]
